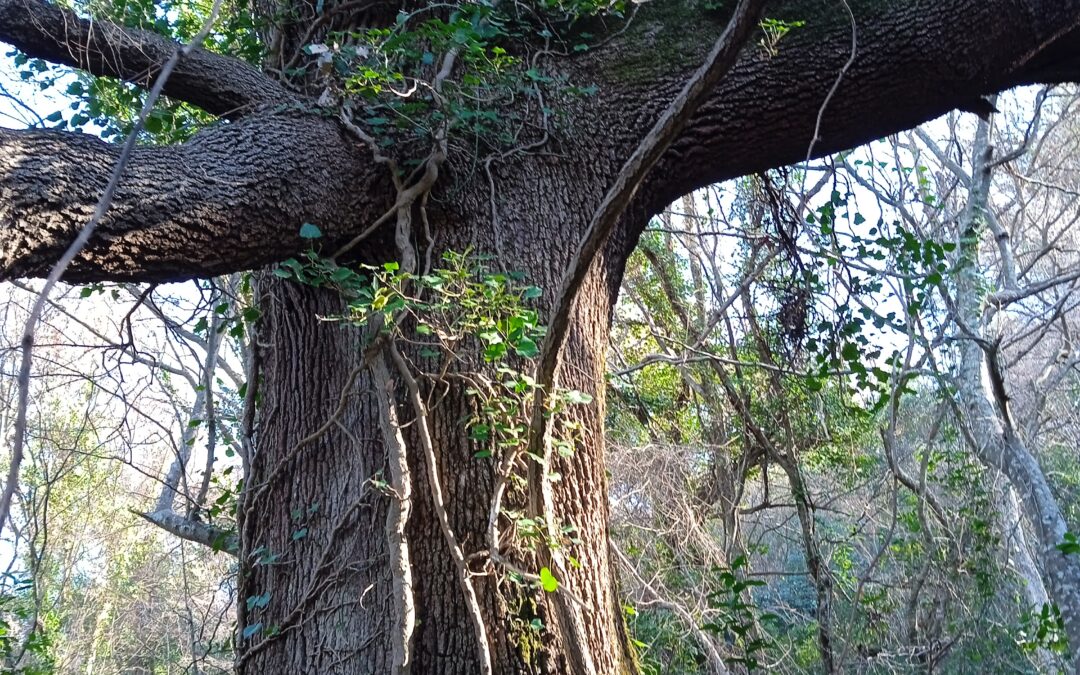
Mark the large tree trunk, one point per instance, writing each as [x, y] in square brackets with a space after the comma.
[314, 529]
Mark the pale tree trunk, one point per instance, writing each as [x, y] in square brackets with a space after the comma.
[1022, 562]
[993, 435]
[1019, 552]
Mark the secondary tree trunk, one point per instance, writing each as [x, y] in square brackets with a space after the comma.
[994, 437]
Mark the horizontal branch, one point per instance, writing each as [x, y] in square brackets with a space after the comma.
[1008, 296]
[193, 530]
[218, 84]
[232, 198]
[914, 61]
[235, 196]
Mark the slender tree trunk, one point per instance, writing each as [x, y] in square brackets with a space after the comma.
[1020, 558]
[994, 437]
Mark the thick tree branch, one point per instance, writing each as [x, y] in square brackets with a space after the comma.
[916, 60]
[218, 84]
[232, 198]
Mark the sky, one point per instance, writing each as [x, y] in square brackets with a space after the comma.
[12, 115]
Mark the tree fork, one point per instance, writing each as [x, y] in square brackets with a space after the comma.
[329, 176]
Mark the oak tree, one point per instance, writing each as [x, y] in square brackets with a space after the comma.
[539, 137]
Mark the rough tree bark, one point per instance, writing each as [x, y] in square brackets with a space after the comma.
[234, 197]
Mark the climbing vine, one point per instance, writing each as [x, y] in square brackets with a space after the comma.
[465, 325]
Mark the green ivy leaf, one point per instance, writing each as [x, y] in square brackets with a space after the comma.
[258, 601]
[479, 432]
[548, 580]
[850, 352]
[527, 347]
[495, 351]
[1070, 545]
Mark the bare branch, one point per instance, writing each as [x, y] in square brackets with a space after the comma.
[85, 232]
[193, 530]
[716, 663]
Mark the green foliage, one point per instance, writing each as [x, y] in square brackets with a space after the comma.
[775, 30]
[737, 619]
[462, 302]
[548, 580]
[1059, 459]
[103, 582]
[496, 94]
[1043, 629]
[383, 68]
[661, 644]
[25, 642]
[465, 70]
[851, 335]
[108, 107]
[1069, 544]
[863, 278]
